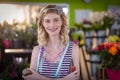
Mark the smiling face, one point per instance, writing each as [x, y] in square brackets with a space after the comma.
[52, 24]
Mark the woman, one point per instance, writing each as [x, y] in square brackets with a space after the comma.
[51, 59]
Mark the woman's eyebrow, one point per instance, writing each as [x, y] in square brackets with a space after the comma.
[57, 18]
[49, 18]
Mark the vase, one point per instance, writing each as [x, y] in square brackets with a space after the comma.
[112, 74]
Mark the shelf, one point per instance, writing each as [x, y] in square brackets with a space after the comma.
[92, 61]
[8, 51]
[95, 37]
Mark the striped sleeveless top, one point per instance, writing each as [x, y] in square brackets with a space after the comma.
[49, 69]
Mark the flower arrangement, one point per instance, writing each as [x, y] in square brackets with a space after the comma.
[99, 20]
[109, 53]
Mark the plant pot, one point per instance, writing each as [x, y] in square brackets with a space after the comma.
[28, 45]
[7, 43]
[112, 74]
[18, 43]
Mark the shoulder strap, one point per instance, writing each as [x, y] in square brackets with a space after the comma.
[38, 58]
[71, 47]
[59, 65]
[40, 61]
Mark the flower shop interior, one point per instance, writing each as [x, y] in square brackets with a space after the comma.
[93, 24]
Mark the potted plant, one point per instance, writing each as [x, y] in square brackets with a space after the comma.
[6, 34]
[18, 31]
[30, 35]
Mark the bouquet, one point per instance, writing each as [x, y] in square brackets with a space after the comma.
[109, 53]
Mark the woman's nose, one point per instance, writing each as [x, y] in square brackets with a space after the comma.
[52, 23]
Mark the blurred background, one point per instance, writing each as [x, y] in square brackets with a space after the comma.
[90, 22]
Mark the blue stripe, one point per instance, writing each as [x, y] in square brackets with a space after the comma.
[56, 75]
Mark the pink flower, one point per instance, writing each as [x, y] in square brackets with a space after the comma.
[100, 47]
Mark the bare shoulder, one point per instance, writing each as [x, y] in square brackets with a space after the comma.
[75, 50]
[36, 49]
[34, 57]
[75, 47]
[76, 56]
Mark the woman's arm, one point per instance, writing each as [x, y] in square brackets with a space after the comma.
[33, 64]
[75, 56]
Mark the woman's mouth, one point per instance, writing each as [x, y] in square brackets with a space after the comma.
[53, 29]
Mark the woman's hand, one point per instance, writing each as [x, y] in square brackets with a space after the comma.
[35, 76]
[73, 76]
[26, 72]
[29, 76]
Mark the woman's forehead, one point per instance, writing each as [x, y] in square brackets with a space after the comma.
[51, 16]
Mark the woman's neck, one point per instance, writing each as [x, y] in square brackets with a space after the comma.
[54, 42]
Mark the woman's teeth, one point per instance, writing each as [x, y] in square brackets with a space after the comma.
[54, 29]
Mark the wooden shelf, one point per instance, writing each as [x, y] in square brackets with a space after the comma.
[92, 61]
[17, 51]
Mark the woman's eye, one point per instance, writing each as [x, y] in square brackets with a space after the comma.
[47, 21]
[56, 20]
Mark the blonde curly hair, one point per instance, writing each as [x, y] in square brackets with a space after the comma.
[42, 34]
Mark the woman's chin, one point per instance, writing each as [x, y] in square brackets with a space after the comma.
[54, 34]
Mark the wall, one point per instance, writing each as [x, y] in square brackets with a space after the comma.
[95, 5]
